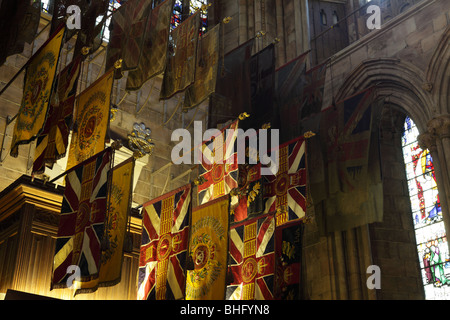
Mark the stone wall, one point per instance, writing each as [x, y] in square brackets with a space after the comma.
[393, 239]
[284, 22]
[399, 60]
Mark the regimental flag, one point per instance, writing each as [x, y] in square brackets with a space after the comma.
[92, 119]
[90, 10]
[219, 165]
[285, 192]
[52, 143]
[19, 22]
[346, 131]
[208, 247]
[90, 35]
[252, 259]
[250, 184]
[39, 80]
[180, 67]
[154, 50]
[119, 204]
[262, 81]
[138, 16]
[116, 39]
[288, 253]
[290, 81]
[233, 92]
[82, 220]
[120, 197]
[165, 236]
[59, 13]
[206, 69]
[312, 96]
[127, 29]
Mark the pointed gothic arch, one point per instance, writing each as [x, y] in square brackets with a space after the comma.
[421, 94]
[400, 82]
[438, 73]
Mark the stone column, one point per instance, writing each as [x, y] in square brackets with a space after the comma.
[301, 26]
[23, 246]
[440, 127]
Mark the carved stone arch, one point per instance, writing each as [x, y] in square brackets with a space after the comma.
[400, 82]
[438, 73]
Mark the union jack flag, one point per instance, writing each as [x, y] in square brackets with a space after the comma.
[219, 167]
[313, 90]
[82, 218]
[252, 259]
[163, 253]
[346, 132]
[52, 143]
[285, 192]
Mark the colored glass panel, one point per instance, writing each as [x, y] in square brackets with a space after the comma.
[429, 228]
[177, 14]
[195, 5]
[113, 6]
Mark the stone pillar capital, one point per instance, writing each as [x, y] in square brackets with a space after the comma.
[440, 126]
[427, 140]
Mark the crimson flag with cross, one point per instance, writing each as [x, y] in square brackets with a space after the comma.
[163, 252]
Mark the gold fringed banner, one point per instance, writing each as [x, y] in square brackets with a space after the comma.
[92, 120]
[39, 79]
[208, 248]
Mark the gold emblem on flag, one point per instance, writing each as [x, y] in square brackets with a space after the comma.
[249, 269]
[164, 247]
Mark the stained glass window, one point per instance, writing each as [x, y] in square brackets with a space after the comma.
[46, 6]
[113, 6]
[184, 8]
[431, 238]
[197, 5]
[177, 14]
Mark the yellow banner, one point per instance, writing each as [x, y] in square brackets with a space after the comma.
[92, 119]
[208, 248]
[37, 90]
[116, 223]
[115, 229]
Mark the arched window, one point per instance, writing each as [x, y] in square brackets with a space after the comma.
[185, 8]
[323, 17]
[431, 238]
[335, 18]
[177, 14]
[197, 5]
[113, 6]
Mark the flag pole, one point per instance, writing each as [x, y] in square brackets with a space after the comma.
[115, 146]
[14, 78]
